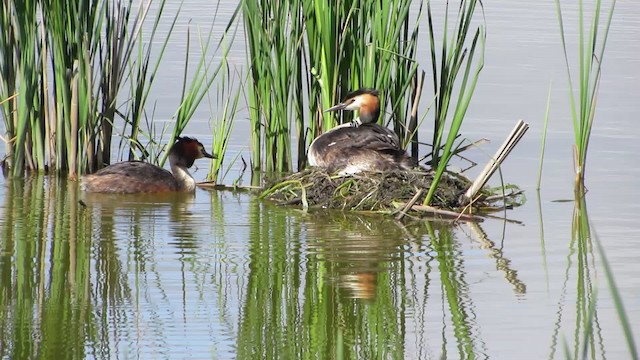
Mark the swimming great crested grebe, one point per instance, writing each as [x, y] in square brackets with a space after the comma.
[352, 148]
[140, 177]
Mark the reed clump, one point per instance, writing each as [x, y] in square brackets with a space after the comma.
[76, 75]
[583, 93]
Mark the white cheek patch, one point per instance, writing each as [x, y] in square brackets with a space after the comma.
[355, 105]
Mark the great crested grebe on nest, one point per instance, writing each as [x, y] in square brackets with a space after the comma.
[356, 147]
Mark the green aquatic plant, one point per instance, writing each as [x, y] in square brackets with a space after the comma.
[227, 99]
[590, 57]
[141, 72]
[19, 91]
[273, 32]
[357, 44]
[203, 75]
[63, 67]
[543, 140]
[456, 54]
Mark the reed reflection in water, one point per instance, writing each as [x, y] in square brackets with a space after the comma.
[226, 275]
[358, 287]
[578, 312]
[106, 276]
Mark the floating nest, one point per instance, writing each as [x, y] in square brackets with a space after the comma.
[395, 192]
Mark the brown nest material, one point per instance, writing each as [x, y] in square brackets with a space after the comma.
[387, 192]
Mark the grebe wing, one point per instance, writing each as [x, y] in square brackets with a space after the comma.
[376, 137]
[130, 177]
[367, 136]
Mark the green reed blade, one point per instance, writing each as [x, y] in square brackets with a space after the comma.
[194, 91]
[228, 99]
[544, 138]
[589, 72]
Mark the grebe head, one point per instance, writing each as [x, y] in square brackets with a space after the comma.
[186, 150]
[367, 101]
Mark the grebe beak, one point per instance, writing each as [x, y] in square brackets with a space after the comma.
[207, 155]
[337, 107]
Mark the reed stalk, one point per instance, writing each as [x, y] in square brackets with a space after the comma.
[456, 54]
[273, 33]
[20, 71]
[123, 34]
[8, 67]
[543, 141]
[195, 89]
[74, 35]
[227, 100]
[590, 56]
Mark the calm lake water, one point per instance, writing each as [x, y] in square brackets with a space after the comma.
[225, 275]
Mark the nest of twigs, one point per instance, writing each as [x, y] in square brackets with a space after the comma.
[388, 192]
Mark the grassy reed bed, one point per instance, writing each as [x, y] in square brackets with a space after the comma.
[71, 72]
[63, 74]
[305, 55]
[592, 42]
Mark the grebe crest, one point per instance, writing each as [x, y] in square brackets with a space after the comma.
[141, 177]
[356, 147]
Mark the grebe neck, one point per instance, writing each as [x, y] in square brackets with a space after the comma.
[180, 172]
[369, 114]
